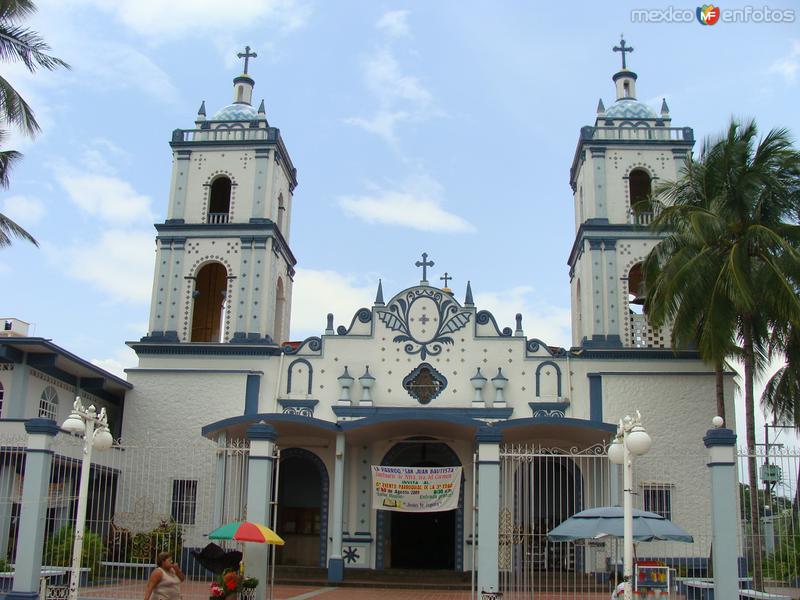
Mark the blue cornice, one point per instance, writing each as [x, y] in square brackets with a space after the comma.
[267, 227]
[298, 403]
[261, 432]
[601, 231]
[417, 413]
[145, 348]
[635, 354]
[46, 426]
[719, 437]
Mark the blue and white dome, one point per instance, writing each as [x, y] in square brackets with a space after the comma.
[628, 108]
[236, 112]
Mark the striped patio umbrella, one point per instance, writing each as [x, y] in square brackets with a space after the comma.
[246, 531]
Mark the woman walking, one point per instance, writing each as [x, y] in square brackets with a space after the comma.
[165, 581]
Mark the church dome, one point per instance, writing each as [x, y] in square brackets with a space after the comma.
[236, 112]
[628, 108]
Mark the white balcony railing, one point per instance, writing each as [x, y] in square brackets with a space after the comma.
[217, 218]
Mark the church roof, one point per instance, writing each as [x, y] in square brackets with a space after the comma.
[628, 108]
[236, 112]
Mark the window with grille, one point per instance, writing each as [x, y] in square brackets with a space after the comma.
[657, 498]
[48, 403]
[184, 501]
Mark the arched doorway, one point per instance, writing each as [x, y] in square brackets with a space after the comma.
[421, 540]
[211, 287]
[302, 518]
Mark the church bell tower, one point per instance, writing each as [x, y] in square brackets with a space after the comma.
[224, 266]
[617, 163]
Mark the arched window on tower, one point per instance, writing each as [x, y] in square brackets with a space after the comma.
[636, 297]
[640, 188]
[2, 394]
[281, 212]
[219, 201]
[280, 307]
[209, 303]
[626, 89]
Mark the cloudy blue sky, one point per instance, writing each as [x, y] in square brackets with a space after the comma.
[438, 126]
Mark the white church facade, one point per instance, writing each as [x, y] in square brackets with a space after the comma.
[423, 376]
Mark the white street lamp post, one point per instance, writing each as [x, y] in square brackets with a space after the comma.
[94, 429]
[632, 440]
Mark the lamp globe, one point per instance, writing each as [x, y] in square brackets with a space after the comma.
[616, 452]
[638, 441]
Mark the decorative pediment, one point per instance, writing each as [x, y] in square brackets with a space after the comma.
[424, 318]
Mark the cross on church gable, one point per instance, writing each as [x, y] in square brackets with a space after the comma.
[424, 263]
[246, 55]
[445, 278]
[623, 49]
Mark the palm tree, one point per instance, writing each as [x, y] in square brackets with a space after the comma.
[728, 267]
[18, 44]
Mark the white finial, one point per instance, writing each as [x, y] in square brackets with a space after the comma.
[717, 421]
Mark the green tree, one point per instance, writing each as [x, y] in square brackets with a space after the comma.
[728, 267]
[18, 44]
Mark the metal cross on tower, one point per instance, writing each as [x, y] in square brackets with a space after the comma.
[623, 48]
[424, 263]
[246, 55]
[445, 278]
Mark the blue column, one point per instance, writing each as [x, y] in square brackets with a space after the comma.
[259, 498]
[721, 444]
[335, 562]
[219, 480]
[30, 539]
[488, 441]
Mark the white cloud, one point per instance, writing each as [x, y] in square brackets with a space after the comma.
[178, 18]
[122, 359]
[317, 293]
[547, 322]
[118, 263]
[401, 97]
[789, 65]
[108, 198]
[417, 204]
[24, 209]
[394, 23]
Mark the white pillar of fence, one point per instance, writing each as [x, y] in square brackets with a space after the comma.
[721, 444]
[488, 441]
[335, 562]
[35, 492]
[259, 496]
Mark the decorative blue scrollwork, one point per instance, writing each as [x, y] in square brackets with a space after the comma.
[364, 315]
[484, 317]
[535, 344]
[312, 343]
[410, 316]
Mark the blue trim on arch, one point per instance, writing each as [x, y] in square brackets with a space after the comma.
[289, 376]
[270, 418]
[565, 421]
[304, 454]
[418, 413]
[539, 373]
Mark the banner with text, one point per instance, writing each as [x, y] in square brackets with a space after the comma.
[415, 489]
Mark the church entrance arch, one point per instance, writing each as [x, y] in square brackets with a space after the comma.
[302, 509]
[421, 540]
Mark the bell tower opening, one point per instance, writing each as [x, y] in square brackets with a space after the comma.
[640, 188]
[219, 202]
[280, 307]
[209, 303]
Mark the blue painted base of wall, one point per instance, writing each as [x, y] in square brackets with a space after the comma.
[335, 569]
[22, 596]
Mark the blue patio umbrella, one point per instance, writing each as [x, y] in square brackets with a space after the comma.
[607, 521]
